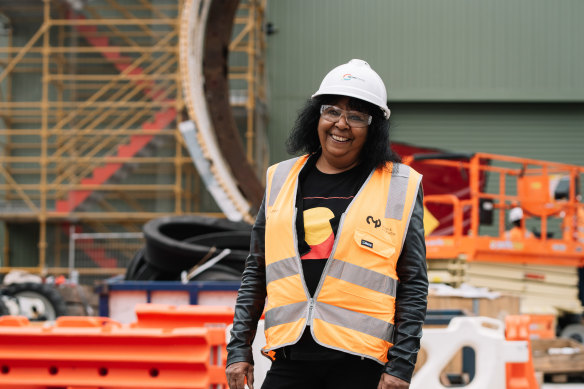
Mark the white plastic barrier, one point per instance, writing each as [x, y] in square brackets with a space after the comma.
[491, 349]
[261, 363]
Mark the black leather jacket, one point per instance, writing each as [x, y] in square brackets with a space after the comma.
[411, 301]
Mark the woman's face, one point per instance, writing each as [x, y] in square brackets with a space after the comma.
[341, 144]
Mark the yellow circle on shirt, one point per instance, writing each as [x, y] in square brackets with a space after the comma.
[317, 227]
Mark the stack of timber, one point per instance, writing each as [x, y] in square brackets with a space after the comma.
[497, 308]
[542, 289]
[447, 271]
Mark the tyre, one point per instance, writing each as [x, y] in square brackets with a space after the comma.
[134, 265]
[168, 245]
[574, 332]
[236, 241]
[3, 308]
[218, 272]
[140, 270]
[38, 301]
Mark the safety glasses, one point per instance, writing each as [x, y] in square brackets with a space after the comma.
[353, 118]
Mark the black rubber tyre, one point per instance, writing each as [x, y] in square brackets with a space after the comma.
[143, 271]
[3, 308]
[166, 240]
[237, 241]
[219, 273]
[146, 272]
[135, 264]
[574, 332]
[140, 270]
[54, 303]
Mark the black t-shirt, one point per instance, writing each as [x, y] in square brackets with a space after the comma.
[321, 200]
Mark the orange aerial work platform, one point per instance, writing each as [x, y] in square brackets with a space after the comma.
[167, 347]
[547, 192]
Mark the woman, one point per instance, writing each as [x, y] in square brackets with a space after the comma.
[338, 250]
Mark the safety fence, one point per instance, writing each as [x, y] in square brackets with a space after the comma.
[166, 347]
[96, 256]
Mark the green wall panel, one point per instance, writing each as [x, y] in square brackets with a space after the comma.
[529, 50]
[552, 132]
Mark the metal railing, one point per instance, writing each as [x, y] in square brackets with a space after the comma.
[94, 256]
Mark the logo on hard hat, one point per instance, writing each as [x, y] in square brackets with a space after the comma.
[349, 76]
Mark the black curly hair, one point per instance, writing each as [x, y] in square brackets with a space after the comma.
[376, 151]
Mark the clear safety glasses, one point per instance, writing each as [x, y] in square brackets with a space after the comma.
[353, 118]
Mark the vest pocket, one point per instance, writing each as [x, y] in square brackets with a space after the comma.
[370, 242]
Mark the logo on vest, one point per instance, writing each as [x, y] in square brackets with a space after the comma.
[366, 243]
[376, 222]
[388, 230]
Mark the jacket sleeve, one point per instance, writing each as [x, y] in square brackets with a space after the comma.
[251, 296]
[411, 300]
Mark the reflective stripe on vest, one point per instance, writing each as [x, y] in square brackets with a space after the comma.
[287, 303]
[397, 200]
[279, 176]
[354, 304]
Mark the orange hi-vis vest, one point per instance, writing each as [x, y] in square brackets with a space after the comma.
[515, 233]
[353, 307]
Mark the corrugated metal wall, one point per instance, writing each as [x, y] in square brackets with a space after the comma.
[442, 51]
[546, 131]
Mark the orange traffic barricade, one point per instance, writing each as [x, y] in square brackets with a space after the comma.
[542, 326]
[157, 315]
[158, 351]
[520, 375]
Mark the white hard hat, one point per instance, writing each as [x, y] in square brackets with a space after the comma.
[515, 214]
[356, 79]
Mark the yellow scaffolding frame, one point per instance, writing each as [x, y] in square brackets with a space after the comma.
[107, 83]
[249, 39]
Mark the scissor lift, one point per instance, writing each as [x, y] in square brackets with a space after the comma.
[548, 193]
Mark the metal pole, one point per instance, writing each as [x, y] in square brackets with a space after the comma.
[178, 165]
[44, 145]
[72, 236]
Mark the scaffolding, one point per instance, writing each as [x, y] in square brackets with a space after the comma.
[92, 140]
[249, 91]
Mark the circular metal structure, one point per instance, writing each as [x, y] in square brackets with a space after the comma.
[206, 28]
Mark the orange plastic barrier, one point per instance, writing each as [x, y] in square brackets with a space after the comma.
[520, 375]
[94, 352]
[542, 326]
[157, 315]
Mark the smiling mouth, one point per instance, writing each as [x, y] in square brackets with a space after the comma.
[339, 138]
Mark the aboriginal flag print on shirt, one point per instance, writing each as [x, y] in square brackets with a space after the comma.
[325, 198]
[318, 232]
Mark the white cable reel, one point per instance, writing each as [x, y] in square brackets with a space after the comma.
[356, 79]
